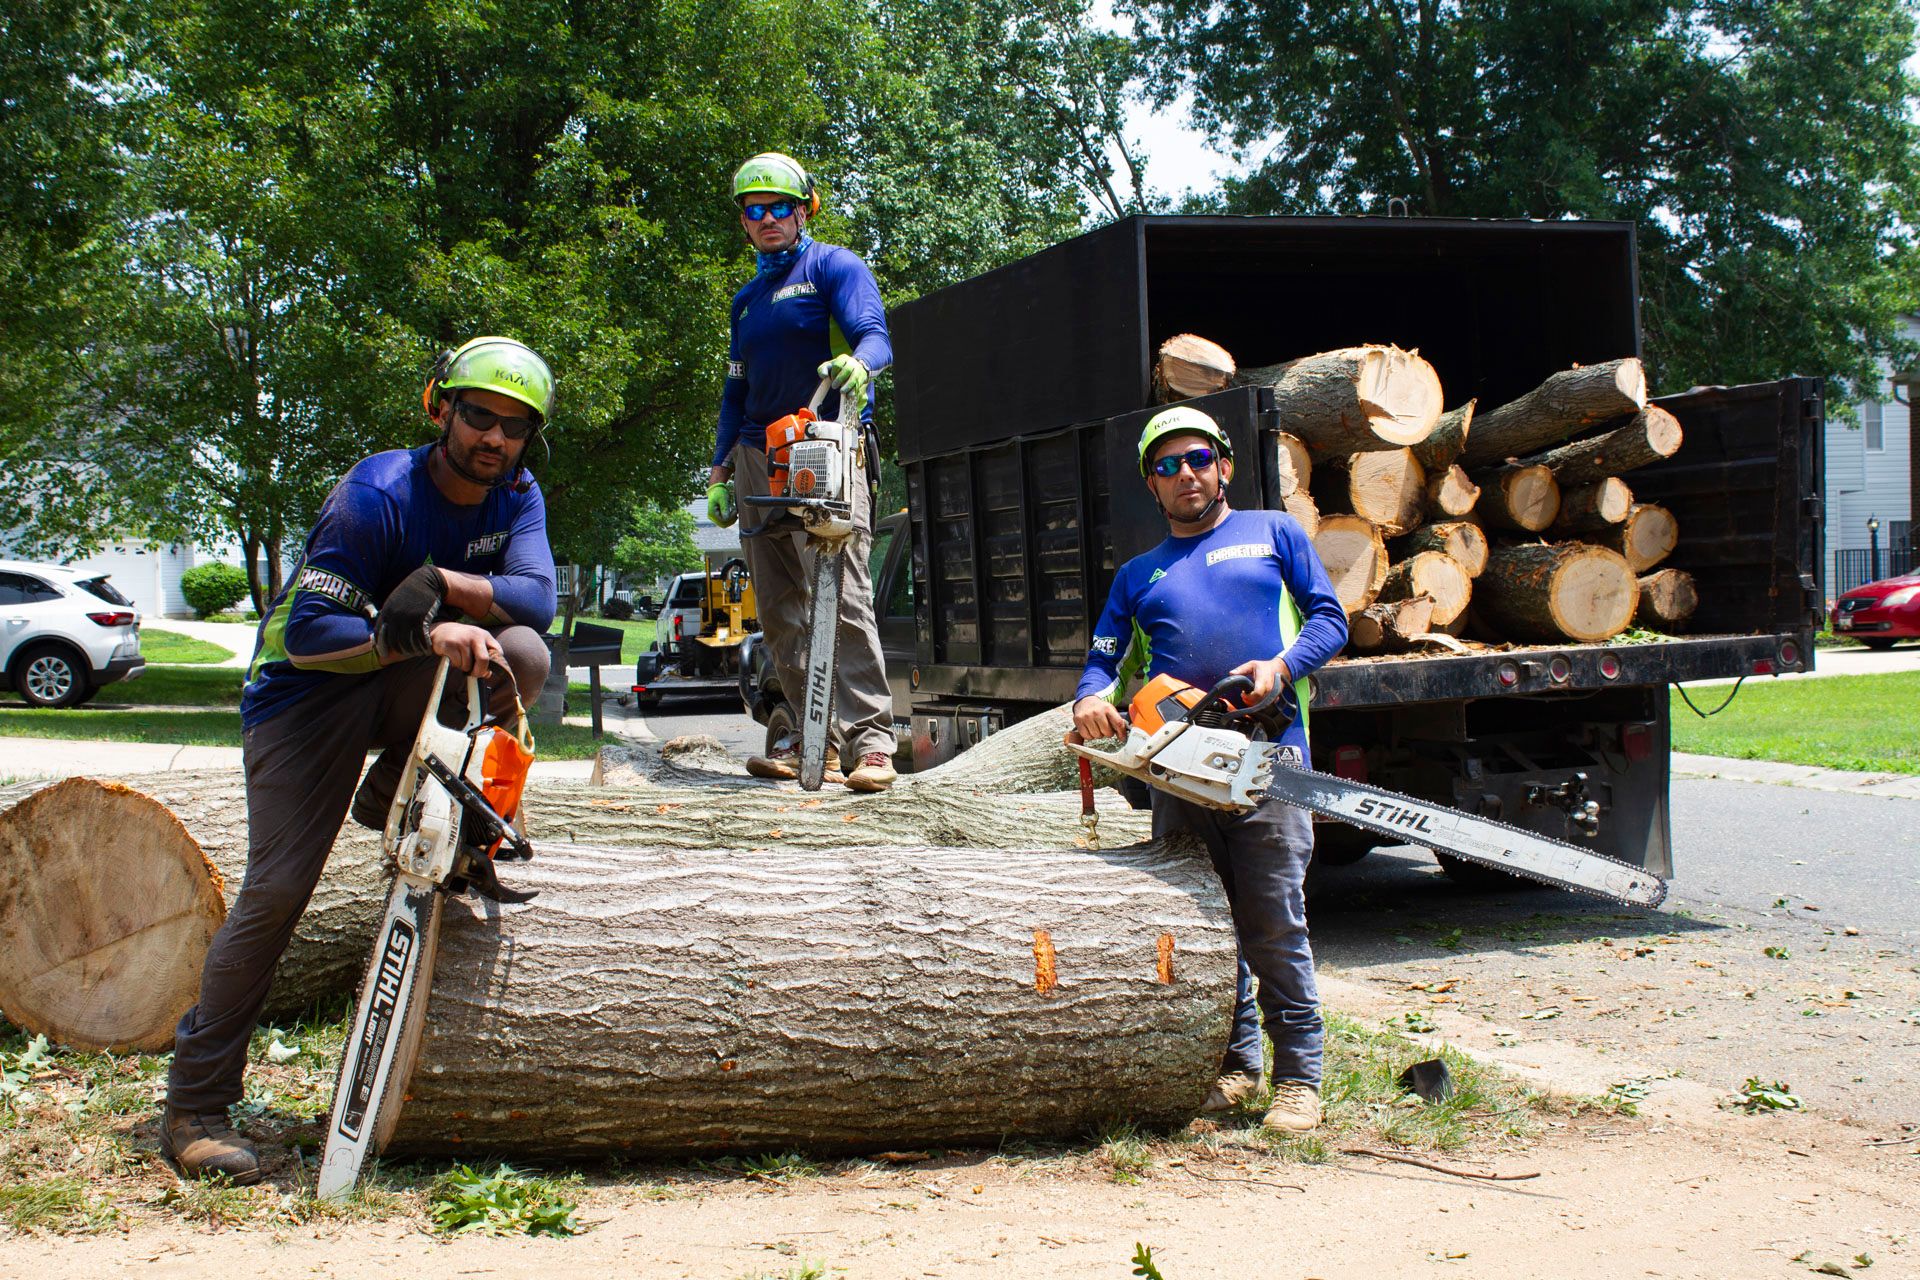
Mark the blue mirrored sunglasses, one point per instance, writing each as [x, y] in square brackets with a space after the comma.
[780, 210]
[1199, 459]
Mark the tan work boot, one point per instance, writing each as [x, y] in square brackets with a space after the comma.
[1295, 1108]
[782, 764]
[1231, 1090]
[203, 1143]
[875, 773]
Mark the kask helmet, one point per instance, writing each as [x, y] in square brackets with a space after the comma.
[502, 365]
[1181, 420]
[779, 174]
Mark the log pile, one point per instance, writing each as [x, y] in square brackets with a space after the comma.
[1517, 499]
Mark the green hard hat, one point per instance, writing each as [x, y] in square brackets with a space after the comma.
[1180, 420]
[775, 172]
[503, 365]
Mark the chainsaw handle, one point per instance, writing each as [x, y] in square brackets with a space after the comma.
[819, 395]
[1218, 695]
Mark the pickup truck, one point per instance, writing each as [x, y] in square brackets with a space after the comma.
[1020, 395]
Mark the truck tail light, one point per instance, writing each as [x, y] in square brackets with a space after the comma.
[1610, 667]
[1350, 763]
[112, 619]
[1763, 666]
[1789, 654]
[1636, 742]
[678, 622]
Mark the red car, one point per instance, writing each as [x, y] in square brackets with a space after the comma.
[1881, 612]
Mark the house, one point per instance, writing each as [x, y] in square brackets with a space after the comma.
[1872, 470]
[717, 545]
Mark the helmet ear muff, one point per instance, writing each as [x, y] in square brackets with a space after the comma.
[434, 392]
[813, 195]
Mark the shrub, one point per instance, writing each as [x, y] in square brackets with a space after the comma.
[617, 609]
[213, 588]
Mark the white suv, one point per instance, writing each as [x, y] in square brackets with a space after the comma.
[63, 635]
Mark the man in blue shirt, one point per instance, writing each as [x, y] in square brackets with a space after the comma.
[1231, 593]
[418, 554]
[811, 311]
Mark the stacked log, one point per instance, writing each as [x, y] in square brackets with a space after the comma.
[1465, 541]
[1667, 599]
[1354, 400]
[1189, 365]
[1390, 626]
[1435, 575]
[1544, 593]
[1646, 537]
[1558, 408]
[1355, 556]
[1385, 487]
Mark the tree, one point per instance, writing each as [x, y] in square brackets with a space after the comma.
[658, 544]
[1767, 151]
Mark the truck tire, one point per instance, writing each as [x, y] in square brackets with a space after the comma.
[49, 675]
[1875, 644]
[1471, 875]
[781, 723]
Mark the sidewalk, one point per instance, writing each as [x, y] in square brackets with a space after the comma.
[1902, 786]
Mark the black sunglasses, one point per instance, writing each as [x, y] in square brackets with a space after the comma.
[780, 210]
[485, 420]
[1199, 459]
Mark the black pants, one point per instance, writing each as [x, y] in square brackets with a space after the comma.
[301, 768]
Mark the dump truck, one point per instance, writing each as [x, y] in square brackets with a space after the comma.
[1020, 395]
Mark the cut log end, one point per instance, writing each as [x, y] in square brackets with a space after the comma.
[1188, 365]
[101, 889]
[1355, 557]
[1667, 600]
[1435, 575]
[1646, 537]
[1549, 593]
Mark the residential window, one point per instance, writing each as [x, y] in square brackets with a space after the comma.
[1875, 429]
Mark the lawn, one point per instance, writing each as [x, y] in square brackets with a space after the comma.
[1859, 723]
[171, 646]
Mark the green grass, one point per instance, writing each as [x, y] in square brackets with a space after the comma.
[1858, 723]
[637, 634]
[171, 646]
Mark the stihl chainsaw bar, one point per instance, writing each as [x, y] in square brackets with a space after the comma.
[823, 652]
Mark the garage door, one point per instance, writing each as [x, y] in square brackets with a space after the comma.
[147, 575]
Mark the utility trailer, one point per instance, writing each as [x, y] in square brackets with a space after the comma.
[1020, 396]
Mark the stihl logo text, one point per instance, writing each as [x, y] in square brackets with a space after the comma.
[1392, 815]
[388, 976]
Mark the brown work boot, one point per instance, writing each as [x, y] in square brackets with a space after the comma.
[1233, 1089]
[1295, 1108]
[874, 773]
[782, 764]
[202, 1144]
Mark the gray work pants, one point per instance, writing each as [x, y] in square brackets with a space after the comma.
[1262, 859]
[301, 767]
[775, 551]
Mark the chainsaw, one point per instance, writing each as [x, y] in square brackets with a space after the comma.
[810, 472]
[451, 818]
[1206, 749]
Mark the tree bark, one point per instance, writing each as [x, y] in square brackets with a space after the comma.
[667, 1002]
[1465, 541]
[1667, 599]
[1516, 497]
[1556, 409]
[1592, 507]
[1386, 487]
[101, 889]
[1442, 449]
[1433, 574]
[1646, 537]
[1388, 627]
[1187, 366]
[1648, 436]
[1549, 593]
[1355, 558]
[1451, 493]
[1353, 400]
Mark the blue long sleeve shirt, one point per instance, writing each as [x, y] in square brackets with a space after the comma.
[785, 325]
[1203, 605]
[385, 519]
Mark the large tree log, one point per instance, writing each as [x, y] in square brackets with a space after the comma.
[1355, 558]
[101, 889]
[1592, 507]
[667, 1002]
[1648, 436]
[1465, 541]
[1299, 505]
[1556, 409]
[1451, 492]
[1385, 487]
[1442, 448]
[1547, 594]
[1390, 626]
[1292, 467]
[1353, 400]
[1435, 575]
[1646, 537]
[974, 801]
[1189, 365]
[1667, 599]
[1516, 497]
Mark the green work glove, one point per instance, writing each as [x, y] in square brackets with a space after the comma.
[721, 508]
[848, 376]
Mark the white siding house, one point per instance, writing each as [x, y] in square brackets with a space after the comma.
[1869, 469]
